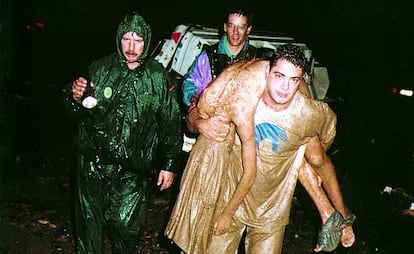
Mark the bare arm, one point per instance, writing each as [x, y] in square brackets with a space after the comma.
[246, 133]
[245, 130]
[193, 119]
[235, 94]
[215, 128]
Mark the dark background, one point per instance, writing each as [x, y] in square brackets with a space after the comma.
[366, 45]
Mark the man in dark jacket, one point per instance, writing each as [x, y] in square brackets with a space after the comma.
[134, 128]
[232, 47]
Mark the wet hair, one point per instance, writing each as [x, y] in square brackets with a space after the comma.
[242, 12]
[291, 53]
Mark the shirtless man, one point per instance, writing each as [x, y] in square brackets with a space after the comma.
[239, 96]
[234, 46]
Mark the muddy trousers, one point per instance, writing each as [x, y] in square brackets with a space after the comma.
[258, 240]
[110, 203]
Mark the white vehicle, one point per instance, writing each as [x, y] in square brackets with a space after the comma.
[179, 52]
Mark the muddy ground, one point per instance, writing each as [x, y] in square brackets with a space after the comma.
[36, 218]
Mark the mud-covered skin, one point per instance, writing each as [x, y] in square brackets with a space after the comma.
[237, 101]
[233, 97]
[223, 91]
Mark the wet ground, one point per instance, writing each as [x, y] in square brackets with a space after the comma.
[37, 171]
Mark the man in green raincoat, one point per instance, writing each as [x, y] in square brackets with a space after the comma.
[134, 127]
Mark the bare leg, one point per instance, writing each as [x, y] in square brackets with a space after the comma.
[321, 165]
[312, 184]
[315, 155]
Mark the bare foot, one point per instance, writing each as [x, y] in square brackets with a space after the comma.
[317, 248]
[348, 237]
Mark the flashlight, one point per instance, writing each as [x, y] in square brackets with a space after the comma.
[88, 99]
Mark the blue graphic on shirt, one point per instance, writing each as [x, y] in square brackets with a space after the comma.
[271, 132]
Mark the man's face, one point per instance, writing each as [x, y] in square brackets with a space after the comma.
[236, 29]
[283, 82]
[132, 46]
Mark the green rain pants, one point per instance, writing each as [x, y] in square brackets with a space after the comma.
[110, 203]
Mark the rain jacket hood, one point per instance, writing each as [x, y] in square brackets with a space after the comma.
[134, 22]
[136, 122]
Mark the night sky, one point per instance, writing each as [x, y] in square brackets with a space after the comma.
[346, 35]
[366, 46]
[364, 43]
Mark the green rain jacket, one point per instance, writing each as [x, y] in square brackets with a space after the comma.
[137, 119]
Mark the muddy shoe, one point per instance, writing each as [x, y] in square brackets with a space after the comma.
[330, 233]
